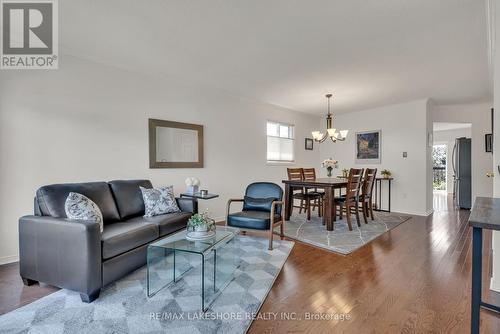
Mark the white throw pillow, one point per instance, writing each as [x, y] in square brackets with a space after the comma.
[159, 201]
[80, 207]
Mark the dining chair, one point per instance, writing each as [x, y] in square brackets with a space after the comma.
[310, 175]
[350, 202]
[305, 198]
[366, 197]
[296, 174]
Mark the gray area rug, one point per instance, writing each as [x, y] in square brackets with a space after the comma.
[124, 307]
[341, 240]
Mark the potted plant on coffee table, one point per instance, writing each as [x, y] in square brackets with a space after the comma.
[200, 227]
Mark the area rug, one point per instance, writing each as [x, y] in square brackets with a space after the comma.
[341, 240]
[124, 307]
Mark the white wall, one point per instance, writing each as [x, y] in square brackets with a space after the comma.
[428, 157]
[495, 30]
[404, 128]
[87, 122]
[447, 137]
[479, 116]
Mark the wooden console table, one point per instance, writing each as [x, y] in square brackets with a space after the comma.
[485, 215]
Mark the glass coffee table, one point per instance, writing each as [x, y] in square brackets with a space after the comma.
[212, 262]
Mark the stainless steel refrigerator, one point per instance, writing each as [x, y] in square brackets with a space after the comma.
[461, 162]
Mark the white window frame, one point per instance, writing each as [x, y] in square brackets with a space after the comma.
[291, 136]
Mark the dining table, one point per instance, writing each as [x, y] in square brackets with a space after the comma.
[328, 184]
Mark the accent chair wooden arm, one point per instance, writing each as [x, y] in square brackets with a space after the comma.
[273, 209]
[229, 205]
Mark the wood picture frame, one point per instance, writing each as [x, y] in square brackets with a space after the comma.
[154, 124]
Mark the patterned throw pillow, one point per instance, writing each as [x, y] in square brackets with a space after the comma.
[158, 201]
[78, 206]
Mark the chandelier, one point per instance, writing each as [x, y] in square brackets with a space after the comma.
[331, 132]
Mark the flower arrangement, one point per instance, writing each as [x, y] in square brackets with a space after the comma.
[386, 173]
[192, 184]
[329, 164]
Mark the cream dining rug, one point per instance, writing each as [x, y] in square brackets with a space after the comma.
[341, 240]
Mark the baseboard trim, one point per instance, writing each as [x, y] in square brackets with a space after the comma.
[220, 219]
[495, 284]
[9, 259]
[413, 213]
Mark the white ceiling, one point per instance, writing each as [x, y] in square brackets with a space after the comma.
[444, 126]
[291, 52]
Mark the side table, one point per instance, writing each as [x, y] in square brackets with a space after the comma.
[198, 195]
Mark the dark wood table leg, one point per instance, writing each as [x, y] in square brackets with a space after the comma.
[288, 201]
[329, 208]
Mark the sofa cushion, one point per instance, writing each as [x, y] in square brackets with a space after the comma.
[258, 220]
[167, 223]
[51, 199]
[128, 197]
[118, 238]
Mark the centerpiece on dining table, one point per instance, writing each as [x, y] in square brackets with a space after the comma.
[329, 164]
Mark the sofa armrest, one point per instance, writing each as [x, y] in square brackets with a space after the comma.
[187, 204]
[61, 252]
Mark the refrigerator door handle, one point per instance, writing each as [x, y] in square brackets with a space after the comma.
[453, 160]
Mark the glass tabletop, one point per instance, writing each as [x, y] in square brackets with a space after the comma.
[199, 195]
[179, 242]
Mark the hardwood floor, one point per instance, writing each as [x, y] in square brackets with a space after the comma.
[13, 293]
[413, 279]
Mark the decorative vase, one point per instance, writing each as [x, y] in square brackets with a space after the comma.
[329, 171]
[192, 189]
[202, 228]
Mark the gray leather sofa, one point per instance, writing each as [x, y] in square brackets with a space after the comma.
[73, 254]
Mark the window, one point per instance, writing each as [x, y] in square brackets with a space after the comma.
[279, 142]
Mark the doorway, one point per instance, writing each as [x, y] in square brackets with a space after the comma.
[439, 167]
[443, 172]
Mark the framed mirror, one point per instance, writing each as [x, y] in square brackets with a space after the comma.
[175, 145]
